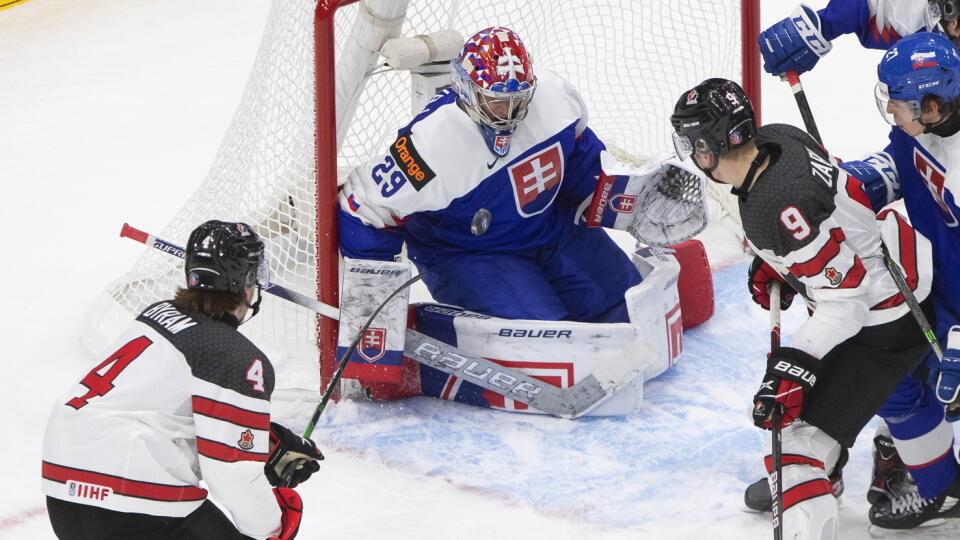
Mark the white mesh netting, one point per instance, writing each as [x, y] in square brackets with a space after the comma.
[629, 59]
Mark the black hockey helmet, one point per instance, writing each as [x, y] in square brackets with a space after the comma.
[226, 257]
[712, 118]
[943, 11]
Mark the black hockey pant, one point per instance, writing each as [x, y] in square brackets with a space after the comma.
[73, 521]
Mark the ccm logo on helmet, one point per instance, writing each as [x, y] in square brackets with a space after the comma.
[796, 371]
[412, 165]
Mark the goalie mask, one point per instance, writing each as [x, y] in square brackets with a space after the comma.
[917, 66]
[494, 81]
[225, 257]
[711, 119]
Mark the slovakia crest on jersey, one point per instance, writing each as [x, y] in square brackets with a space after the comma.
[622, 203]
[536, 180]
[373, 345]
[501, 143]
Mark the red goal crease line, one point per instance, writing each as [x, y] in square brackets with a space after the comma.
[20, 518]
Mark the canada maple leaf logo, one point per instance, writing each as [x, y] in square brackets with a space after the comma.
[832, 275]
[246, 440]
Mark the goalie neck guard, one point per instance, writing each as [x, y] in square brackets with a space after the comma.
[711, 119]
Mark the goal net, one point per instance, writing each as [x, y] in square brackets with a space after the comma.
[628, 58]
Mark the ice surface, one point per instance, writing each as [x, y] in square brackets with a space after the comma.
[111, 111]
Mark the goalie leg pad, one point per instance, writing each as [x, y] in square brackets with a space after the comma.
[696, 283]
[366, 284]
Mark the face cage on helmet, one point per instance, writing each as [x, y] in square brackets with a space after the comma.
[263, 269]
[686, 147]
[470, 94]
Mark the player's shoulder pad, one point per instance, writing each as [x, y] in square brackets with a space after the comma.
[793, 195]
[215, 351]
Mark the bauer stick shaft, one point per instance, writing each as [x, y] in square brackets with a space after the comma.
[571, 402]
[317, 306]
[776, 442]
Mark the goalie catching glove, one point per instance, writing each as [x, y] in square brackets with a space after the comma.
[661, 203]
[791, 374]
[290, 452]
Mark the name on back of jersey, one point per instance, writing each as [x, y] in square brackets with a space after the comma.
[169, 317]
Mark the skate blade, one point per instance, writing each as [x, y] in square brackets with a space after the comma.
[935, 529]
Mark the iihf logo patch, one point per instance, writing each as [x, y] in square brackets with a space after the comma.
[736, 138]
[832, 275]
[692, 97]
[193, 279]
[246, 440]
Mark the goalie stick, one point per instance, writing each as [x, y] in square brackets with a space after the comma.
[572, 402]
[807, 114]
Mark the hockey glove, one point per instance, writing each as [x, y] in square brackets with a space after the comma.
[291, 511]
[290, 451]
[878, 174]
[791, 374]
[948, 382]
[759, 278]
[793, 44]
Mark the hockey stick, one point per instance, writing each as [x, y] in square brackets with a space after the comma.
[793, 78]
[805, 112]
[335, 379]
[776, 443]
[571, 402]
[127, 231]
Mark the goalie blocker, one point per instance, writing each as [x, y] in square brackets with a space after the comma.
[561, 353]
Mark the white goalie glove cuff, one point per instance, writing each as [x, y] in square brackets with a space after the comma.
[661, 203]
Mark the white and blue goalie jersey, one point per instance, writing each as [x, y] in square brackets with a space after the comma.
[439, 189]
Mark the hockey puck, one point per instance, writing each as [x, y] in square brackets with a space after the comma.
[481, 222]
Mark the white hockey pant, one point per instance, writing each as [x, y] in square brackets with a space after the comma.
[810, 510]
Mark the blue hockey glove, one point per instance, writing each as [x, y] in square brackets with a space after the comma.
[948, 382]
[879, 177]
[793, 44]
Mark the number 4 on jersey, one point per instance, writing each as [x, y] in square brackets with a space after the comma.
[100, 382]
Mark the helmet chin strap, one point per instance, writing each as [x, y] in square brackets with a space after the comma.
[709, 172]
[254, 306]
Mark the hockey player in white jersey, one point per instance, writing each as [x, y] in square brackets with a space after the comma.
[184, 397]
[796, 43]
[855, 356]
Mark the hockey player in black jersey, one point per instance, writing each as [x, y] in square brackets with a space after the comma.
[184, 397]
[812, 223]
